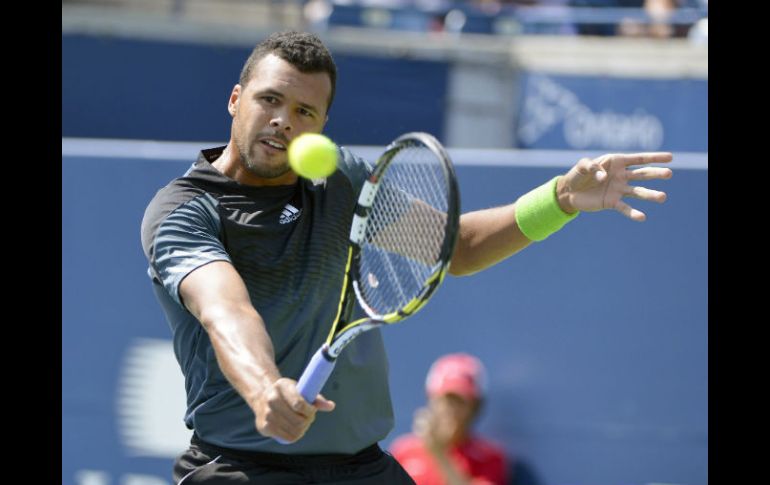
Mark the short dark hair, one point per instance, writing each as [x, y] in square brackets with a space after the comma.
[302, 50]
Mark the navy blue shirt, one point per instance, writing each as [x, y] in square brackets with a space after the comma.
[289, 244]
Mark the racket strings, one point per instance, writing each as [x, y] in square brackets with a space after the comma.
[406, 230]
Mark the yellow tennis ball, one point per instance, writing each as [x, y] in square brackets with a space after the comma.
[313, 156]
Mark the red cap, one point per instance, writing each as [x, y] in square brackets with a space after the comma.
[460, 373]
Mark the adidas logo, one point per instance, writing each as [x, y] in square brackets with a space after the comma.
[289, 214]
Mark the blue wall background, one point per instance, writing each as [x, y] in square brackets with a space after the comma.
[127, 88]
[596, 339]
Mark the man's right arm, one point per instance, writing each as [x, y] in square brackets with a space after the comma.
[216, 295]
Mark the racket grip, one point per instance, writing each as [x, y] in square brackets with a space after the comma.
[314, 377]
[316, 374]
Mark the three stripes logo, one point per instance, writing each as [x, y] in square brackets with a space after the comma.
[289, 214]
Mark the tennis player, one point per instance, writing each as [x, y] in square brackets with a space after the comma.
[247, 262]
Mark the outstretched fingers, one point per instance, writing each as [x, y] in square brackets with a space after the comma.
[643, 158]
[602, 182]
[630, 212]
[643, 193]
[650, 173]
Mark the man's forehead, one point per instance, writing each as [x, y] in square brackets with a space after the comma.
[273, 72]
[273, 66]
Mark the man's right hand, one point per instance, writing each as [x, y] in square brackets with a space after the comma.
[217, 296]
[282, 412]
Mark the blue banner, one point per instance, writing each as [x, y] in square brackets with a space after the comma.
[615, 114]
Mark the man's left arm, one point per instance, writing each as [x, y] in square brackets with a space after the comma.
[489, 236]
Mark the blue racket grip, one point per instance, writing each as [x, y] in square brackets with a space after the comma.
[314, 377]
[316, 374]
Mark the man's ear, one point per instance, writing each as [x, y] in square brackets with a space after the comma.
[235, 97]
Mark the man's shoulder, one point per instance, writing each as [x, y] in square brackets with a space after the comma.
[179, 192]
[199, 178]
[175, 193]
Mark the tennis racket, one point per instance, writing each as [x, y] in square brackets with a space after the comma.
[401, 240]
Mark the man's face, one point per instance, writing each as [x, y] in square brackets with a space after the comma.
[277, 104]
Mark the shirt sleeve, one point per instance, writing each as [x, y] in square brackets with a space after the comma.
[355, 168]
[185, 240]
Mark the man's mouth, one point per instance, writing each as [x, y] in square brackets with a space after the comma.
[274, 144]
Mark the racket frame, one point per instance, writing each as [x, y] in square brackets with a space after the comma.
[322, 363]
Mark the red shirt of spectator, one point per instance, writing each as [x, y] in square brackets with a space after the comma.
[481, 460]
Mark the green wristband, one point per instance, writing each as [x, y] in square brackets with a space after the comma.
[538, 214]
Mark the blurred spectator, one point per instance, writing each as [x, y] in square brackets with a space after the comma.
[659, 27]
[657, 24]
[443, 449]
[628, 18]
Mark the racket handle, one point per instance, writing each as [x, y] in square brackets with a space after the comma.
[316, 374]
[314, 377]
